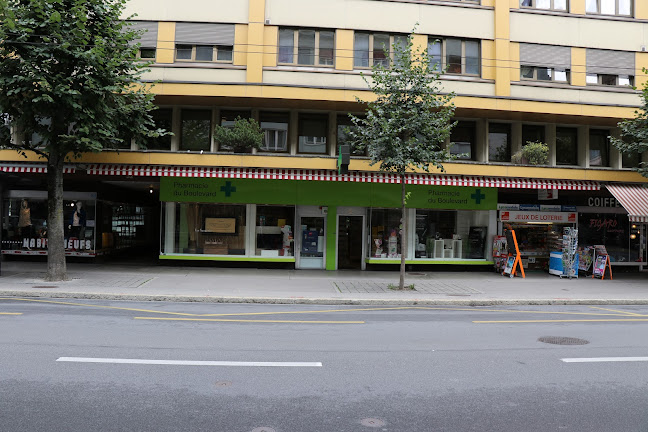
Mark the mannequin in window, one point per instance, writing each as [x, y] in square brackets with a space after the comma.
[77, 221]
[24, 220]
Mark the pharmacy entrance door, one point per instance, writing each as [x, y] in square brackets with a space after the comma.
[311, 237]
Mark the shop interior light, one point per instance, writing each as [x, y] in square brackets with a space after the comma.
[633, 236]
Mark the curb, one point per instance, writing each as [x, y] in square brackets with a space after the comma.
[318, 301]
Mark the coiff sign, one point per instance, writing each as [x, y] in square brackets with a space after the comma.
[548, 217]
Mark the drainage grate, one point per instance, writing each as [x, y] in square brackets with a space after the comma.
[44, 286]
[372, 422]
[561, 340]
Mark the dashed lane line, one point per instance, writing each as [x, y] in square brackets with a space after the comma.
[564, 321]
[248, 321]
[10, 313]
[186, 362]
[97, 306]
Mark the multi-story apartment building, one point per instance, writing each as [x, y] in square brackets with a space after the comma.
[556, 71]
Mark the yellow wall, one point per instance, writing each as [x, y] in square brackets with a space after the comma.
[641, 62]
[165, 43]
[240, 44]
[344, 49]
[514, 64]
[578, 69]
[488, 59]
[271, 41]
[578, 6]
[255, 41]
[502, 49]
[641, 9]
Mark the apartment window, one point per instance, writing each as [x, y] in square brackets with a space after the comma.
[147, 38]
[227, 119]
[313, 130]
[375, 48]
[599, 147]
[499, 142]
[462, 140]
[275, 131]
[306, 47]
[533, 133]
[344, 126]
[560, 5]
[195, 133]
[540, 73]
[609, 7]
[610, 80]
[631, 160]
[454, 56]
[204, 53]
[163, 119]
[147, 53]
[566, 146]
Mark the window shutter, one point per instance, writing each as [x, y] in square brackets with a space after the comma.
[545, 55]
[204, 34]
[149, 37]
[610, 62]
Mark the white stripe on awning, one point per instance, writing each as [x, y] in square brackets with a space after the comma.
[633, 198]
[332, 175]
[32, 168]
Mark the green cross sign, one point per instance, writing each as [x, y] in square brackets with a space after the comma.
[478, 196]
[228, 189]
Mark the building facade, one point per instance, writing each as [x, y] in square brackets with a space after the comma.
[559, 72]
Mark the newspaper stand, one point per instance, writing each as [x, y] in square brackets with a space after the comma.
[514, 258]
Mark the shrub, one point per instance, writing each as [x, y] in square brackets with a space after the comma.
[242, 137]
[532, 153]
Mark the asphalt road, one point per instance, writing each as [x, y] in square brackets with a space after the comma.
[79, 365]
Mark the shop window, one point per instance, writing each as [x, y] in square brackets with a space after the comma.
[275, 131]
[344, 125]
[274, 231]
[306, 47]
[163, 119]
[599, 148]
[566, 146]
[557, 5]
[541, 73]
[609, 7]
[499, 142]
[375, 49]
[444, 234]
[195, 133]
[25, 225]
[385, 233]
[204, 53]
[227, 119]
[454, 56]
[620, 237]
[209, 229]
[533, 133]
[313, 130]
[462, 140]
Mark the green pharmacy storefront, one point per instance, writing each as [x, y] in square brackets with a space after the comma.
[319, 224]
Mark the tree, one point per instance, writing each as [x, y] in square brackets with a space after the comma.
[242, 137]
[634, 132]
[407, 123]
[69, 73]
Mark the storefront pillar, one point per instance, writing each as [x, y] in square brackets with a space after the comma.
[169, 227]
[331, 237]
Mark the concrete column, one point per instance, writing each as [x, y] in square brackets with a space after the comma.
[481, 141]
[169, 227]
[176, 126]
[582, 157]
[550, 137]
[516, 137]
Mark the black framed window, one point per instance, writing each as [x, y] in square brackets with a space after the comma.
[195, 133]
[275, 131]
[313, 130]
[163, 119]
[566, 146]
[462, 140]
[499, 142]
[533, 133]
[599, 147]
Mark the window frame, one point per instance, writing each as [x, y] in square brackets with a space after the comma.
[308, 116]
[599, 80]
[268, 130]
[616, 9]
[444, 55]
[370, 58]
[553, 74]
[142, 49]
[573, 131]
[295, 47]
[533, 5]
[215, 51]
[605, 155]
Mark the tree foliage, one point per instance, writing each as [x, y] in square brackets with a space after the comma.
[242, 137]
[634, 132]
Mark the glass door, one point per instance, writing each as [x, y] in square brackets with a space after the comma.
[312, 242]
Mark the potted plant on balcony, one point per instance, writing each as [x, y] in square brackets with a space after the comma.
[532, 153]
[243, 136]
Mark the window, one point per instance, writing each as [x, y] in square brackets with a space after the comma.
[385, 233]
[163, 120]
[227, 118]
[306, 47]
[566, 146]
[344, 124]
[147, 38]
[274, 231]
[462, 140]
[275, 131]
[204, 53]
[609, 7]
[560, 5]
[195, 133]
[147, 53]
[538, 73]
[609, 80]
[313, 129]
[599, 148]
[499, 142]
[631, 160]
[454, 56]
[370, 49]
[533, 133]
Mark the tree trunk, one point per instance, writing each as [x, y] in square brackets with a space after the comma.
[401, 284]
[56, 268]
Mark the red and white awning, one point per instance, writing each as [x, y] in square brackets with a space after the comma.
[32, 168]
[633, 198]
[331, 175]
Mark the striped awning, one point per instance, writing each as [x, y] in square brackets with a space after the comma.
[32, 168]
[633, 198]
[331, 175]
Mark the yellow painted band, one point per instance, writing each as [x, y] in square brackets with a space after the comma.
[562, 321]
[249, 321]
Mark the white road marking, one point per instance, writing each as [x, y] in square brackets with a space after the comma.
[605, 359]
[186, 362]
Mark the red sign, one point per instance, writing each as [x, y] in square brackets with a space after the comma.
[548, 217]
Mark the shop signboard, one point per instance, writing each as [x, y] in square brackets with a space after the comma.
[599, 266]
[547, 217]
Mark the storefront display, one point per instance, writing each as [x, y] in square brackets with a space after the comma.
[274, 235]
[386, 229]
[621, 237]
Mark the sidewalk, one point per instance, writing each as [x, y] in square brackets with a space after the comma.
[206, 284]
